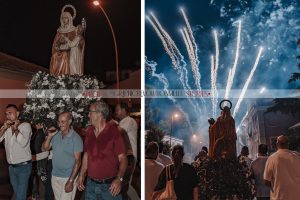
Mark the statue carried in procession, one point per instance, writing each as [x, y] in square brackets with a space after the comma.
[68, 45]
[222, 134]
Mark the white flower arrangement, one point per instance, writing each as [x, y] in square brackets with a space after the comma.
[46, 107]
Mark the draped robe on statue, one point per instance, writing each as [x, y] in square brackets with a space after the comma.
[225, 144]
[67, 49]
[213, 136]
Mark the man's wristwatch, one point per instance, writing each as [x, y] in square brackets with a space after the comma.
[120, 178]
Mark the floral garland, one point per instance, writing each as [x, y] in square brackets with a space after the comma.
[45, 108]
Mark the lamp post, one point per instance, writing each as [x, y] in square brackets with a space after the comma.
[193, 141]
[98, 4]
[172, 119]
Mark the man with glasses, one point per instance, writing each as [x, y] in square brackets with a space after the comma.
[66, 157]
[104, 158]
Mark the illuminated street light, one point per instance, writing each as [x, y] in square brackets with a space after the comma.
[173, 116]
[96, 3]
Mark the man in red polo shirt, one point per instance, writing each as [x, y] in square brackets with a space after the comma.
[104, 160]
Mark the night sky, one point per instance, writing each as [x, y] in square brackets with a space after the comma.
[274, 25]
[28, 28]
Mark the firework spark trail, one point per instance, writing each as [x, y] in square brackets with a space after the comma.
[193, 60]
[227, 86]
[213, 82]
[170, 42]
[233, 69]
[189, 50]
[165, 45]
[166, 39]
[236, 108]
[162, 78]
[216, 67]
[217, 53]
[194, 48]
[173, 48]
[185, 41]
[189, 47]
[175, 55]
[181, 64]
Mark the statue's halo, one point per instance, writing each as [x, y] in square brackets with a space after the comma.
[69, 6]
[225, 100]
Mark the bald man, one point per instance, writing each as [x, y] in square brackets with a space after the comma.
[66, 159]
[282, 172]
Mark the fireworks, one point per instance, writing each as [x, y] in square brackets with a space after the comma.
[192, 49]
[247, 82]
[233, 69]
[177, 58]
[151, 65]
[179, 64]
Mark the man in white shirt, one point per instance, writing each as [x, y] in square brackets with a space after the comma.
[282, 172]
[152, 169]
[17, 146]
[129, 125]
[257, 170]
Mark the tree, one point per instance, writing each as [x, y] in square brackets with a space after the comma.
[154, 132]
[296, 75]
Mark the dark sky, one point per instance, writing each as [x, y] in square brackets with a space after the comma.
[28, 28]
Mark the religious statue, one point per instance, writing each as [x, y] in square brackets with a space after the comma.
[225, 134]
[68, 46]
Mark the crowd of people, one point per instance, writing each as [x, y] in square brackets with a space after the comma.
[66, 161]
[275, 176]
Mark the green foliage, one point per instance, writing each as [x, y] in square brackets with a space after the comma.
[296, 76]
[154, 134]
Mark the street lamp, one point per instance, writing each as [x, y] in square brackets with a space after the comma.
[193, 141]
[98, 4]
[175, 115]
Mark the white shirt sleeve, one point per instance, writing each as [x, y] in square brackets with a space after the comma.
[268, 173]
[134, 126]
[24, 135]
